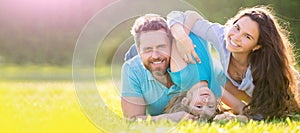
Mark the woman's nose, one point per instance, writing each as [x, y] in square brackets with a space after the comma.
[236, 37]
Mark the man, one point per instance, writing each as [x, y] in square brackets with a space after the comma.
[146, 84]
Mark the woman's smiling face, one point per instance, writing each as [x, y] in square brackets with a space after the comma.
[243, 36]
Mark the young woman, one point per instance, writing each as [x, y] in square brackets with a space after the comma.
[256, 56]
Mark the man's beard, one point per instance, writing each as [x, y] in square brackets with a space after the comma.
[158, 71]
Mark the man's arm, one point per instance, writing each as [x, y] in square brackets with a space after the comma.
[133, 103]
[134, 108]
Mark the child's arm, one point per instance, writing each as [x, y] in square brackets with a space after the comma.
[211, 32]
[180, 33]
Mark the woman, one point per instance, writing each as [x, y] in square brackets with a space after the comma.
[256, 57]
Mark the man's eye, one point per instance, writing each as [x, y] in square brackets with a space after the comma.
[211, 106]
[147, 49]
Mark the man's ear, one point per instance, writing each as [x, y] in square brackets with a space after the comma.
[184, 101]
[256, 47]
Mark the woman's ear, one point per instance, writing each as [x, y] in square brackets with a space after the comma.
[256, 47]
[184, 101]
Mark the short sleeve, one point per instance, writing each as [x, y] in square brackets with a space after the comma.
[130, 82]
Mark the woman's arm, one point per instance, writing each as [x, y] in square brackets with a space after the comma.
[191, 18]
[226, 116]
[235, 104]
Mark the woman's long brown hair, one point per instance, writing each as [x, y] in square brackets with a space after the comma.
[272, 68]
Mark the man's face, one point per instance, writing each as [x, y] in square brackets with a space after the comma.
[155, 49]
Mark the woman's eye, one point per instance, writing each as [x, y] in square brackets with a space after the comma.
[237, 27]
[248, 37]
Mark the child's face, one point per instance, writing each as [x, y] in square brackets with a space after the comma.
[203, 102]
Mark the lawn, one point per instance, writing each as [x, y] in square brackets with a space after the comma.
[56, 106]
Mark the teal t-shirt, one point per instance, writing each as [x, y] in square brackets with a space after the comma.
[137, 81]
[193, 73]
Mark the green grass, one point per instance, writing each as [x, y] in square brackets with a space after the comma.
[54, 106]
[46, 73]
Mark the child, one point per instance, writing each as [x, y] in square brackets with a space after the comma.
[202, 84]
[198, 101]
[202, 103]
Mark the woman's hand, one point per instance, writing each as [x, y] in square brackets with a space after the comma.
[226, 116]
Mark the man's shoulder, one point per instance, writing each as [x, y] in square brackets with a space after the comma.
[135, 61]
[134, 66]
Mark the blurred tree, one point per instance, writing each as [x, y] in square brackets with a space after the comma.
[33, 32]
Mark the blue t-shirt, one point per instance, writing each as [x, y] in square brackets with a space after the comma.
[193, 73]
[137, 81]
[217, 67]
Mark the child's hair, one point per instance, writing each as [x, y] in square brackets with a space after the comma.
[175, 105]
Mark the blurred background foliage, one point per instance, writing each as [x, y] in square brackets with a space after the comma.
[44, 32]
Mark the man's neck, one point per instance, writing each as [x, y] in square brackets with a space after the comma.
[165, 79]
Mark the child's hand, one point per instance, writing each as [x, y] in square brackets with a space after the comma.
[186, 50]
[184, 44]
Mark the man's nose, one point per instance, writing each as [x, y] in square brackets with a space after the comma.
[155, 54]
